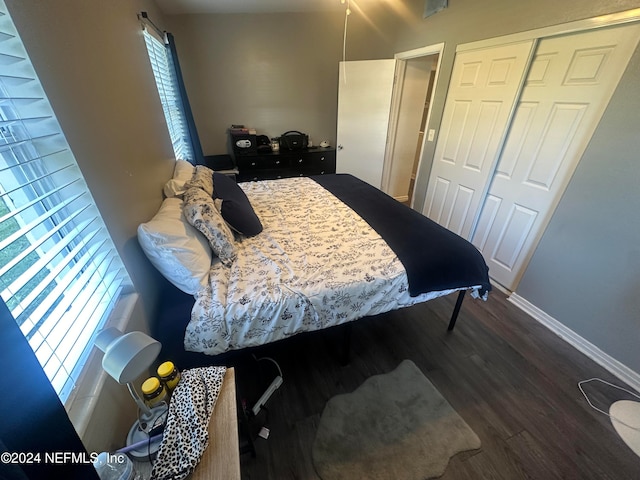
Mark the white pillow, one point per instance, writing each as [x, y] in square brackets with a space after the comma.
[175, 248]
[182, 174]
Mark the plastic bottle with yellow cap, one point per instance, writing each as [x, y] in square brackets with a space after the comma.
[154, 392]
[169, 376]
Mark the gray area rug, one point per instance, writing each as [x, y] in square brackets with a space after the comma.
[394, 426]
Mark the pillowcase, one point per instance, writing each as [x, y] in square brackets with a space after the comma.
[236, 208]
[201, 212]
[182, 173]
[175, 248]
[202, 178]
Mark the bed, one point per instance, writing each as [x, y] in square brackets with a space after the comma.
[312, 253]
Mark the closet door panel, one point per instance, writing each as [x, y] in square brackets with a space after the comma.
[568, 88]
[483, 88]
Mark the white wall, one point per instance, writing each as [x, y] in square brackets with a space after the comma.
[586, 269]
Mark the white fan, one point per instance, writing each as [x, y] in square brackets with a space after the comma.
[624, 415]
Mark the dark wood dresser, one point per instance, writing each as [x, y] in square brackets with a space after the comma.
[283, 164]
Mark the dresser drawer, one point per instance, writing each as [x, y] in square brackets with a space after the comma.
[314, 161]
[261, 162]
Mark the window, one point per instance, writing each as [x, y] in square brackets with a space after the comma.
[172, 105]
[59, 271]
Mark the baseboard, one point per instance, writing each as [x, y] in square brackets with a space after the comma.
[618, 369]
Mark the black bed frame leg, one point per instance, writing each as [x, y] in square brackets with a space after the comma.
[456, 310]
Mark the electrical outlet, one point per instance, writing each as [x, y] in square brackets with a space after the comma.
[431, 135]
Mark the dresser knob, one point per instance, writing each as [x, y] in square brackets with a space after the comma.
[277, 162]
[300, 160]
[321, 158]
[253, 164]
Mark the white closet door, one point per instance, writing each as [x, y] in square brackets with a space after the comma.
[482, 92]
[568, 88]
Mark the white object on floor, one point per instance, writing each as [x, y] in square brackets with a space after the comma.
[625, 417]
[267, 394]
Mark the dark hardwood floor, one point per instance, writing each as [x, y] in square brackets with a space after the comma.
[512, 380]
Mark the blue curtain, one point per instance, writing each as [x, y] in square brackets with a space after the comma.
[34, 420]
[186, 106]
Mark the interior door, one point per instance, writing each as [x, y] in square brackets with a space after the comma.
[479, 106]
[568, 87]
[364, 103]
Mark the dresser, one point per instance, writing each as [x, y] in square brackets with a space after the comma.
[283, 164]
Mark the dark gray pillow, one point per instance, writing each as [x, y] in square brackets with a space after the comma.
[236, 208]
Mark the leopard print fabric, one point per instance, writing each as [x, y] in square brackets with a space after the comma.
[186, 433]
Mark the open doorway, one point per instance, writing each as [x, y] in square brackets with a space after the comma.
[423, 124]
[416, 76]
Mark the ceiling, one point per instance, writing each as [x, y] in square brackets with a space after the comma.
[174, 7]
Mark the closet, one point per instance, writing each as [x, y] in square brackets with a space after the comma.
[517, 118]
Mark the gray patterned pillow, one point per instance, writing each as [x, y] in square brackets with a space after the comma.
[202, 178]
[200, 211]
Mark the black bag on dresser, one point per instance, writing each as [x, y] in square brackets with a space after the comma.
[293, 140]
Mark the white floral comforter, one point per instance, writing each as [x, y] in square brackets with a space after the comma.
[315, 265]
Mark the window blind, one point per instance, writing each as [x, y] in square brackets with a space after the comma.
[169, 96]
[60, 273]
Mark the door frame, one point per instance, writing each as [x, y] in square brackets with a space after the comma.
[401, 63]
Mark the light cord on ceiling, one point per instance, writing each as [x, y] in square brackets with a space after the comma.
[347, 12]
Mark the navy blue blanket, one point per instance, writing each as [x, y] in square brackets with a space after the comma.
[435, 258]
